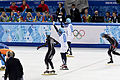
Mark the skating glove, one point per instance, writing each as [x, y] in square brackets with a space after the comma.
[38, 47]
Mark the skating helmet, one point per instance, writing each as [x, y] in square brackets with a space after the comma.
[48, 33]
[10, 54]
[68, 20]
[104, 35]
[61, 30]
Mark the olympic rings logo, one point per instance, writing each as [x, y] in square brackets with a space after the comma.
[79, 34]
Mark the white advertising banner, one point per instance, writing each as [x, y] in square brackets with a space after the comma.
[83, 34]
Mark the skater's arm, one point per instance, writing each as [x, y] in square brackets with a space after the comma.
[55, 27]
[56, 42]
[42, 46]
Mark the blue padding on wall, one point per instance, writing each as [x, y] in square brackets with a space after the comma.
[57, 23]
[73, 45]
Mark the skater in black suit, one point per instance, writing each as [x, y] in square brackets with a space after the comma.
[50, 53]
[113, 47]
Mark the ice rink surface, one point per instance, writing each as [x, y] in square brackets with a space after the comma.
[87, 64]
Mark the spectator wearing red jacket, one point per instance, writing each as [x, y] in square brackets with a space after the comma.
[43, 6]
[24, 4]
[13, 7]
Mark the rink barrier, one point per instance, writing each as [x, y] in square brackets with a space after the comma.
[50, 23]
[73, 45]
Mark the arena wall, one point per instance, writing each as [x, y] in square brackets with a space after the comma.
[33, 34]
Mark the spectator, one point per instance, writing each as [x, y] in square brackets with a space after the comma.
[107, 18]
[114, 18]
[39, 17]
[12, 17]
[43, 6]
[47, 17]
[75, 14]
[24, 4]
[118, 18]
[13, 7]
[3, 17]
[86, 17]
[61, 11]
[29, 17]
[18, 18]
[22, 16]
[94, 17]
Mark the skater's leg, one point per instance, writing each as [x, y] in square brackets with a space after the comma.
[109, 53]
[64, 58]
[69, 47]
[50, 58]
[46, 61]
[51, 64]
[116, 53]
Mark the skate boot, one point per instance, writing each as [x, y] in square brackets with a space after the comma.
[70, 52]
[110, 62]
[64, 67]
[46, 72]
[53, 71]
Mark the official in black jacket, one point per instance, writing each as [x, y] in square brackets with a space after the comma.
[113, 47]
[114, 18]
[61, 11]
[14, 68]
[75, 14]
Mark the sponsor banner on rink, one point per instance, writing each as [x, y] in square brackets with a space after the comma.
[84, 34]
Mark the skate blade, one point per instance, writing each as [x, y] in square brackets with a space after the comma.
[110, 64]
[64, 69]
[49, 74]
[69, 56]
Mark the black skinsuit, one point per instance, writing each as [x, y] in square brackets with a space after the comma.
[51, 51]
[113, 47]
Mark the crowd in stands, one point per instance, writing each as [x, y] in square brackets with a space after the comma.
[42, 14]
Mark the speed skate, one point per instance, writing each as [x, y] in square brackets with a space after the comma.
[49, 73]
[64, 67]
[69, 56]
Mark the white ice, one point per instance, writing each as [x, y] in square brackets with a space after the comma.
[87, 64]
